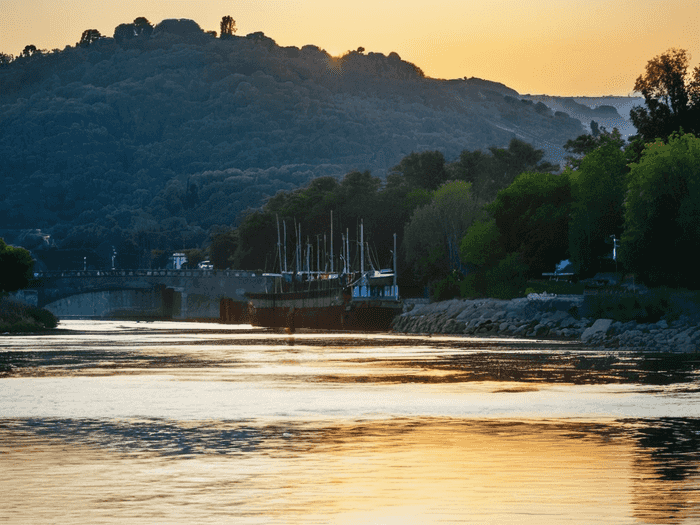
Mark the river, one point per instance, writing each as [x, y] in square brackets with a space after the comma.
[112, 422]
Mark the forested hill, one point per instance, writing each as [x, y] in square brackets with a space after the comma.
[178, 131]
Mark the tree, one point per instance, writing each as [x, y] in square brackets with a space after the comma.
[29, 51]
[16, 268]
[671, 96]
[532, 216]
[5, 59]
[431, 238]
[222, 249]
[124, 32]
[88, 37]
[142, 26]
[423, 170]
[662, 213]
[481, 245]
[584, 144]
[598, 191]
[494, 172]
[228, 27]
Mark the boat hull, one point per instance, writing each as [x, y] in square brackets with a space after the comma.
[323, 311]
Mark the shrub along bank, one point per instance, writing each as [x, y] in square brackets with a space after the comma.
[20, 317]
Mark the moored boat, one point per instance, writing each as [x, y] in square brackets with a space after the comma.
[347, 300]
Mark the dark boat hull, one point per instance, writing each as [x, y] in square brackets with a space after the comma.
[324, 311]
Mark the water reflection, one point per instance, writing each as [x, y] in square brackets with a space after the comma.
[117, 422]
[421, 470]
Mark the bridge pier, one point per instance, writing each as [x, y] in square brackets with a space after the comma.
[183, 313]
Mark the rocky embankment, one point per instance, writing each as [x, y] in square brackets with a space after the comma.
[547, 317]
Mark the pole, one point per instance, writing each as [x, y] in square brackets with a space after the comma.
[284, 224]
[362, 247]
[279, 243]
[331, 241]
[395, 290]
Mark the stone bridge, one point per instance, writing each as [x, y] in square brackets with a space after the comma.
[181, 294]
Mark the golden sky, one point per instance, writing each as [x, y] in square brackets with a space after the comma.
[554, 47]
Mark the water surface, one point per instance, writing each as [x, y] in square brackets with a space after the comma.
[179, 423]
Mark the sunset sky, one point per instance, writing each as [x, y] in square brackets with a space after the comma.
[555, 47]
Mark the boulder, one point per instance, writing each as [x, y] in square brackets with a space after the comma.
[598, 330]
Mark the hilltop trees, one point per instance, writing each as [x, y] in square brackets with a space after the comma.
[671, 95]
[139, 27]
[88, 37]
[228, 27]
[30, 51]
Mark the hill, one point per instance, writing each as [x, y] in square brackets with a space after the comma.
[609, 112]
[167, 135]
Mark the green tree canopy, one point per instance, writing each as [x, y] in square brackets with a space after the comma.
[423, 170]
[431, 238]
[492, 172]
[482, 244]
[532, 216]
[16, 268]
[662, 213]
[598, 190]
[671, 95]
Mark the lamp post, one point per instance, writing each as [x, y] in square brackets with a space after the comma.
[614, 241]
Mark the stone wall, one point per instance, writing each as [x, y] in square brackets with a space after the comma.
[547, 316]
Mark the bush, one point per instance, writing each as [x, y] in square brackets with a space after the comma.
[449, 287]
[20, 317]
[657, 303]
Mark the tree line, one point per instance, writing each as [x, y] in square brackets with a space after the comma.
[485, 223]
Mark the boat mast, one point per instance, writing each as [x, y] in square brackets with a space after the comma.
[331, 241]
[395, 290]
[279, 243]
[347, 250]
[362, 247]
[284, 224]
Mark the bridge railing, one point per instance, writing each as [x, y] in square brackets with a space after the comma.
[146, 273]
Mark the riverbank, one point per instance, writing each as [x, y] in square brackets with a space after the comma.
[19, 317]
[548, 317]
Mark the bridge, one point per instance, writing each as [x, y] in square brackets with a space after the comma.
[179, 294]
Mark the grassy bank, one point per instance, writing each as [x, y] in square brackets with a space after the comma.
[20, 317]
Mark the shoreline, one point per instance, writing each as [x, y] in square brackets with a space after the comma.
[547, 317]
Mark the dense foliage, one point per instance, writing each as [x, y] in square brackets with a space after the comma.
[671, 96]
[16, 268]
[662, 213]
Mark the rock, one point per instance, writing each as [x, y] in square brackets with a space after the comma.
[567, 322]
[599, 329]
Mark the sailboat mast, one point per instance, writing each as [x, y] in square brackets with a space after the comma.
[331, 241]
[362, 247]
[284, 224]
[279, 243]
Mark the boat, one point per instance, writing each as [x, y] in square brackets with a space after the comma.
[366, 300]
